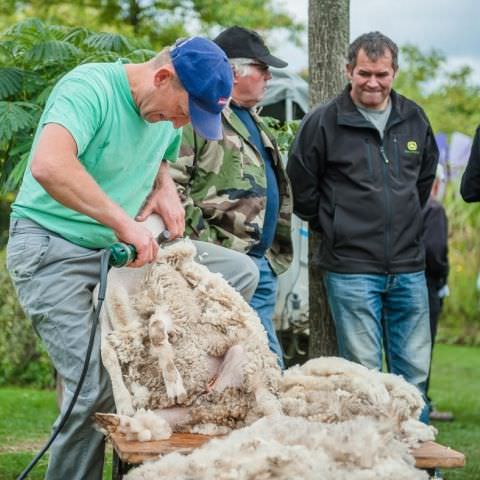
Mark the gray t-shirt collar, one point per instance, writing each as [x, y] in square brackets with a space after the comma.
[378, 118]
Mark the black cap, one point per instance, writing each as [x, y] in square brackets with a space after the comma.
[239, 42]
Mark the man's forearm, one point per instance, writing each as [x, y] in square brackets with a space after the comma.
[164, 184]
[163, 175]
[77, 190]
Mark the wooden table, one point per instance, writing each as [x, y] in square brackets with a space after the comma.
[138, 452]
[433, 455]
[429, 455]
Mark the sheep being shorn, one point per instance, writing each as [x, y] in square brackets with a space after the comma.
[182, 340]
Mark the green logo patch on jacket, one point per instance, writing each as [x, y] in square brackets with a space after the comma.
[412, 147]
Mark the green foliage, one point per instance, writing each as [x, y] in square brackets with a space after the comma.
[159, 21]
[455, 106]
[417, 68]
[284, 132]
[461, 314]
[454, 388]
[108, 42]
[450, 100]
[15, 117]
[11, 79]
[26, 418]
[23, 360]
[5, 202]
[258, 14]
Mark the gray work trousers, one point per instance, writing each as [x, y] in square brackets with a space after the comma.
[54, 280]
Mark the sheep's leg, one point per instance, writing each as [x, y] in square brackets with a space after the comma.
[122, 314]
[159, 325]
[118, 315]
[231, 372]
[175, 416]
[218, 343]
[123, 399]
[226, 408]
[143, 425]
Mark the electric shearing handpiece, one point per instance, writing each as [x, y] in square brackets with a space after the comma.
[122, 254]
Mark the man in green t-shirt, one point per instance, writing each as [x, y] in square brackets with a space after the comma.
[96, 155]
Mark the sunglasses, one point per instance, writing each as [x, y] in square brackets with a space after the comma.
[263, 67]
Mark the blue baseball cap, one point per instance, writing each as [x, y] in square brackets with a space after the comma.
[204, 72]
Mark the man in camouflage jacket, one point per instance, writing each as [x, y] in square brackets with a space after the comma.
[235, 191]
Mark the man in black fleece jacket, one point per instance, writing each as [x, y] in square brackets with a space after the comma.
[361, 167]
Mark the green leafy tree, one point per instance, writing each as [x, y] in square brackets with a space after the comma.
[452, 102]
[460, 321]
[450, 99]
[416, 70]
[161, 21]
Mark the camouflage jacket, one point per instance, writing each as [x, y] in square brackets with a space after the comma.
[223, 187]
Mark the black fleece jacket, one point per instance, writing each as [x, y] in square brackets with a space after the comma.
[364, 194]
[470, 187]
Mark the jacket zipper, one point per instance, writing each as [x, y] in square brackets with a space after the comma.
[369, 157]
[397, 157]
[388, 205]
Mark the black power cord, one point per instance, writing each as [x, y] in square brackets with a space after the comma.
[101, 297]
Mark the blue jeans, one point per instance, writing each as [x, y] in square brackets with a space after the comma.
[263, 302]
[389, 311]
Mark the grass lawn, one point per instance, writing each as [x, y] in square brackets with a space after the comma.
[26, 416]
[456, 387]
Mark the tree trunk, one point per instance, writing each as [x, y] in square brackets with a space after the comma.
[328, 34]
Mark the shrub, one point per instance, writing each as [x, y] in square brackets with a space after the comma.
[460, 321]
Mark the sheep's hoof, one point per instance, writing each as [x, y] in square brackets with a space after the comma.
[108, 422]
[175, 389]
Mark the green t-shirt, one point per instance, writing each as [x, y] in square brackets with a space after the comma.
[119, 149]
